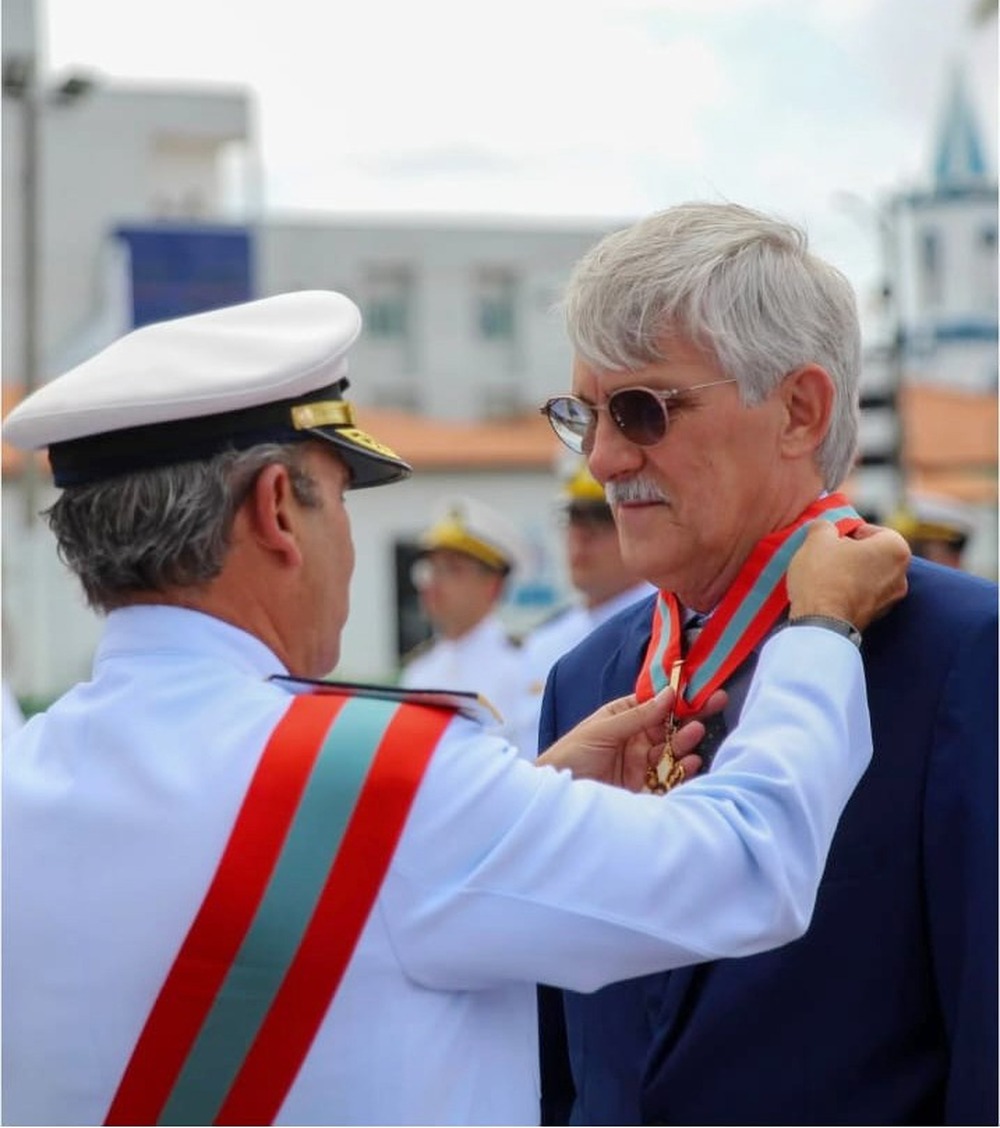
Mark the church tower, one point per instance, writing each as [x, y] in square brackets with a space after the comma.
[945, 354]
[946, 238]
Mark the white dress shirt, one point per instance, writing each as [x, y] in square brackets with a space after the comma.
[118, 801]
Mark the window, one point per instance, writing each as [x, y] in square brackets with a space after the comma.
[930, 269]
[985, 269]
[495, 314]
[388, 292]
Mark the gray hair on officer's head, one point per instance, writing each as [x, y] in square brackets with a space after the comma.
[162, 528]
[736, 282]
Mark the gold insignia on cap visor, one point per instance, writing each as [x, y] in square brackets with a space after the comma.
[335, 413]
[371, 463]
[339, 414]
[362, 438]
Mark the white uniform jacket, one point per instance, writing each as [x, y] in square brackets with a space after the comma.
[485, 660]
[118, 801]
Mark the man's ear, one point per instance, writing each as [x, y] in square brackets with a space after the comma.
[808, 395]
[271, 513]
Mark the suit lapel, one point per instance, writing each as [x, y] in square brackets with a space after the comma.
[622, 668]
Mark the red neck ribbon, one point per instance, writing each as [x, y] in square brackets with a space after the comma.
[748, 610]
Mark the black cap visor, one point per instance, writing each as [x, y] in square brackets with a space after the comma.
[324, 415]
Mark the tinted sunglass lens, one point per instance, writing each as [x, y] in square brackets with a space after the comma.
[639, 415]
[573, 422]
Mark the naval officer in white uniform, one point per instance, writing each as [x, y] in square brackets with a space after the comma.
[468, 555]
[203, 464]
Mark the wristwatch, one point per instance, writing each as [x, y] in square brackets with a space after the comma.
[828, 622]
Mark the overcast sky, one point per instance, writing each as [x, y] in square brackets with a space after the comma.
[816, 109]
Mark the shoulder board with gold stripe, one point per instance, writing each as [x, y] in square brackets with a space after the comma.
[471, 705]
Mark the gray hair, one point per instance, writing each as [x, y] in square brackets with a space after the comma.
[151, 530]
[741, 285]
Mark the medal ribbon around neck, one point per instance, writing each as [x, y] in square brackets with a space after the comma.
[748, 610]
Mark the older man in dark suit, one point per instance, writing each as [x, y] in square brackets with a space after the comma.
[715, 395]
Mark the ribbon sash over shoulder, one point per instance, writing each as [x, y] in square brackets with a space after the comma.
[266, 952]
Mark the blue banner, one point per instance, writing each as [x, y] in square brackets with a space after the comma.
[177, 270]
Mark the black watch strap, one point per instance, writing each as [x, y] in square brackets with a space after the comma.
[828, 622]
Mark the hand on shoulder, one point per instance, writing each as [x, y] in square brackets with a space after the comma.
[855, 578]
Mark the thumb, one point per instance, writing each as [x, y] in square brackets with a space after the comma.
[820, 530]
[624, 718]
[863, 532]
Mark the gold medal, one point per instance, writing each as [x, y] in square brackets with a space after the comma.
[668, 772]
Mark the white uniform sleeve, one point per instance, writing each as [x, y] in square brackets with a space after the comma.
[510, 872]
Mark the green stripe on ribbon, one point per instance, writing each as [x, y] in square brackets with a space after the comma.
[657, 674]
[289, 901]
[754, 600]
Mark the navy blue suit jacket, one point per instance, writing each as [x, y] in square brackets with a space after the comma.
[885, 1012]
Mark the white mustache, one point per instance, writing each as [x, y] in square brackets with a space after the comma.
[622, 490]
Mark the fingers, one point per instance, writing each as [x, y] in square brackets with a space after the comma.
[821, 531]
[894, 585]
[627, 719]
[716, 702]
[853, 578]
[649, 712]
[687, 738]
[619, 705]
[883, 556]
[862, 532]
[690, 765]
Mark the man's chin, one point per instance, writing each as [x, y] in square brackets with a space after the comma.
[654, 559]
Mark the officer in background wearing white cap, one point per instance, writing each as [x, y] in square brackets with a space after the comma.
[231, 896]
[467, 556]
[604, 585]
[936, 528]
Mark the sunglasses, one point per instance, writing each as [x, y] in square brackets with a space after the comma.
[639, 413]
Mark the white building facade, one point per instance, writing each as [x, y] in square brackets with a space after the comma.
[460, 319]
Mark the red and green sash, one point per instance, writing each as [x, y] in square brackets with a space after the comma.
[263, 959]
[748, 610]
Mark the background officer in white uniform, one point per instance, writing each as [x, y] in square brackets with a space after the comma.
[203, 464]
[603, 583]
[468, 554]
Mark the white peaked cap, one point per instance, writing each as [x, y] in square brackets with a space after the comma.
[272, 370]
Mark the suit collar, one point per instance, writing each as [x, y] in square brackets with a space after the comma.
[633, 627]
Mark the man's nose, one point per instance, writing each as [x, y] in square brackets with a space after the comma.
[611, 454]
